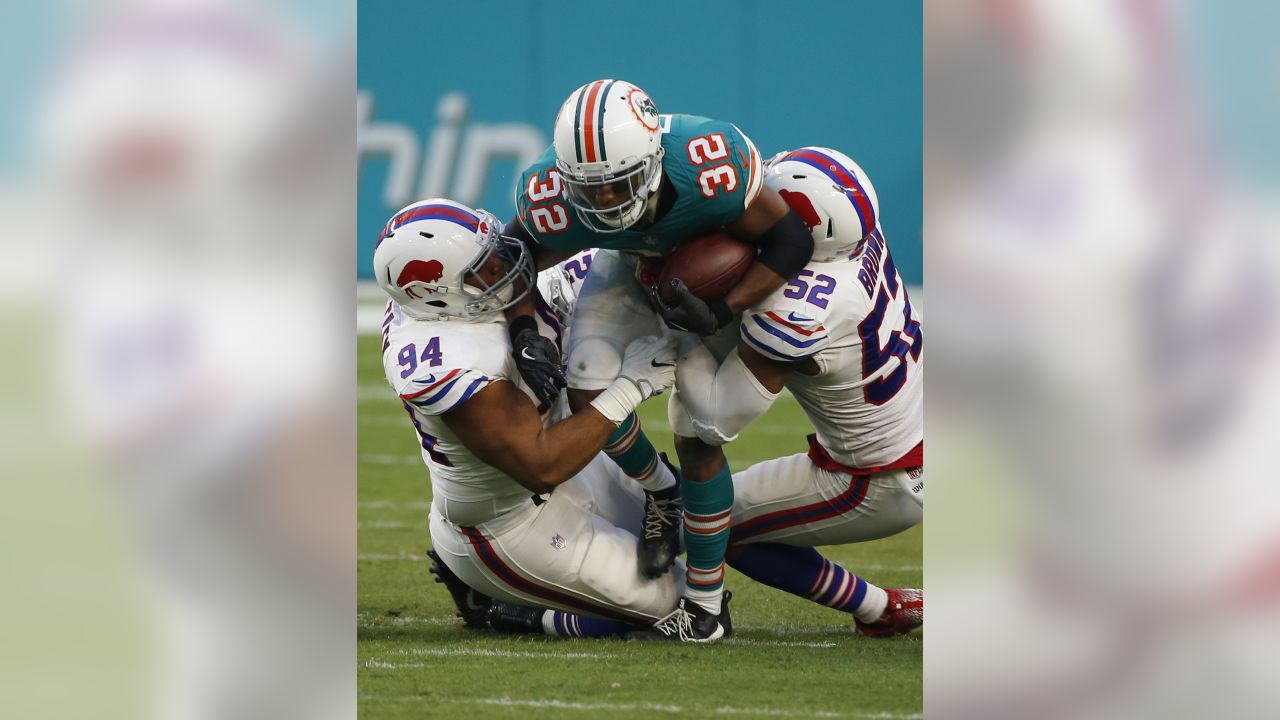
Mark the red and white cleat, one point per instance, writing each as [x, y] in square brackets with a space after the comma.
[904, 613]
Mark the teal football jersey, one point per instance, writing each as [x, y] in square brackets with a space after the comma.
[713, 167]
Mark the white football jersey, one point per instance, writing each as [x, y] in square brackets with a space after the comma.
[853, 318]
[559, 286]
[436, 366]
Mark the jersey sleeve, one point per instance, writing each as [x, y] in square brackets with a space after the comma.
[544, 211]
[782, 335]
[752, 166]
[436, 393]
[716, 163]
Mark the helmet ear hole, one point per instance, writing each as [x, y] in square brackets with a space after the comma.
[824, 186]
[426, 235]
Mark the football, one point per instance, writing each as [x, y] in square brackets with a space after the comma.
[710, 265]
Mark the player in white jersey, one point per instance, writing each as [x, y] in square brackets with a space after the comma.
[495, 459]
[843, 338]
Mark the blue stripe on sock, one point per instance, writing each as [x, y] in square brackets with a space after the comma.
[795, 570]
[569, 625]
[858, 594]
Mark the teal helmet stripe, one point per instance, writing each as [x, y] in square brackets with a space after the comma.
[600, 119]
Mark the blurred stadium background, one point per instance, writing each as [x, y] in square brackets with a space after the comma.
[456, 99]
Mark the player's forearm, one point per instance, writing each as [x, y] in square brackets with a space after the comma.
[785, 248]
[758, 283]
[562, 450]
[521, 309]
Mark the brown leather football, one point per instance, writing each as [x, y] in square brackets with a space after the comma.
[710, 265]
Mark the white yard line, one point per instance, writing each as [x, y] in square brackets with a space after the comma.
[402, 557]
[488, 652]
[779, 643]
[407, 620]
[391, 666]
[375, 392]
[693, 711]
[650, 707]
[787, 631]
[384, 459]
[388, 505]
[388, 525]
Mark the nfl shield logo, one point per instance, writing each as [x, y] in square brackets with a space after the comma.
[558, 542]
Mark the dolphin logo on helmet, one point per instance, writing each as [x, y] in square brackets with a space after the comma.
[608, 145]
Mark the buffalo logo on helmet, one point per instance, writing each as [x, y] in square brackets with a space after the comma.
[646, 112]
[800, 202]
[427, 271]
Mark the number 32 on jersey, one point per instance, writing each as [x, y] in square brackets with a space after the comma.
[711, 148]
[552, 217]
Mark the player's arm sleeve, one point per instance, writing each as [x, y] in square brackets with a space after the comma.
[786, 245]
[436, 394]
[784, 336]
[753, 166]
[716, 400]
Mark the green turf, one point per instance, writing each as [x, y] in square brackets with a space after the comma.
[789, 658]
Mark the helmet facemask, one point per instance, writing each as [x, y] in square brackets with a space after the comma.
[483, 297]
[608, 200]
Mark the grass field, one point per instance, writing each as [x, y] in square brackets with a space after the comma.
[789, 657]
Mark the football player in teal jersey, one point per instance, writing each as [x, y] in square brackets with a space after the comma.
[623, 178]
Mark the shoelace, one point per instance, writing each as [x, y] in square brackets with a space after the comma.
[679, 622]
[657, 514]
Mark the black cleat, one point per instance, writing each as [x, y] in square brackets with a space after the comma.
[473, 606]
[690, 623]
[660, 536]
[513, 619]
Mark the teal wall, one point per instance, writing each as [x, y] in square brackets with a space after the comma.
[845, 74]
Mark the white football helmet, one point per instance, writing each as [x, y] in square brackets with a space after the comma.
[830, 193]
[429, 256]
[608, 145]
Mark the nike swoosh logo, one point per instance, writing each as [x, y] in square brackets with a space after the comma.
[798, 318]
[524, 353]
[654, 362]
[427, 380]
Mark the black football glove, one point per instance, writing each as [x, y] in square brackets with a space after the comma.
[539, 363]
[691, 313]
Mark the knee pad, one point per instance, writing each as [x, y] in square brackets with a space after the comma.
[594, 363]
[678, 416]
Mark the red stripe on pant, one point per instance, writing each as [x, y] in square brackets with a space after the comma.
[514, 580]
[790, 517]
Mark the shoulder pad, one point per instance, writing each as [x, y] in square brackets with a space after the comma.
[715, 161]
[438, 393]
[785, 333]
[543, 210]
